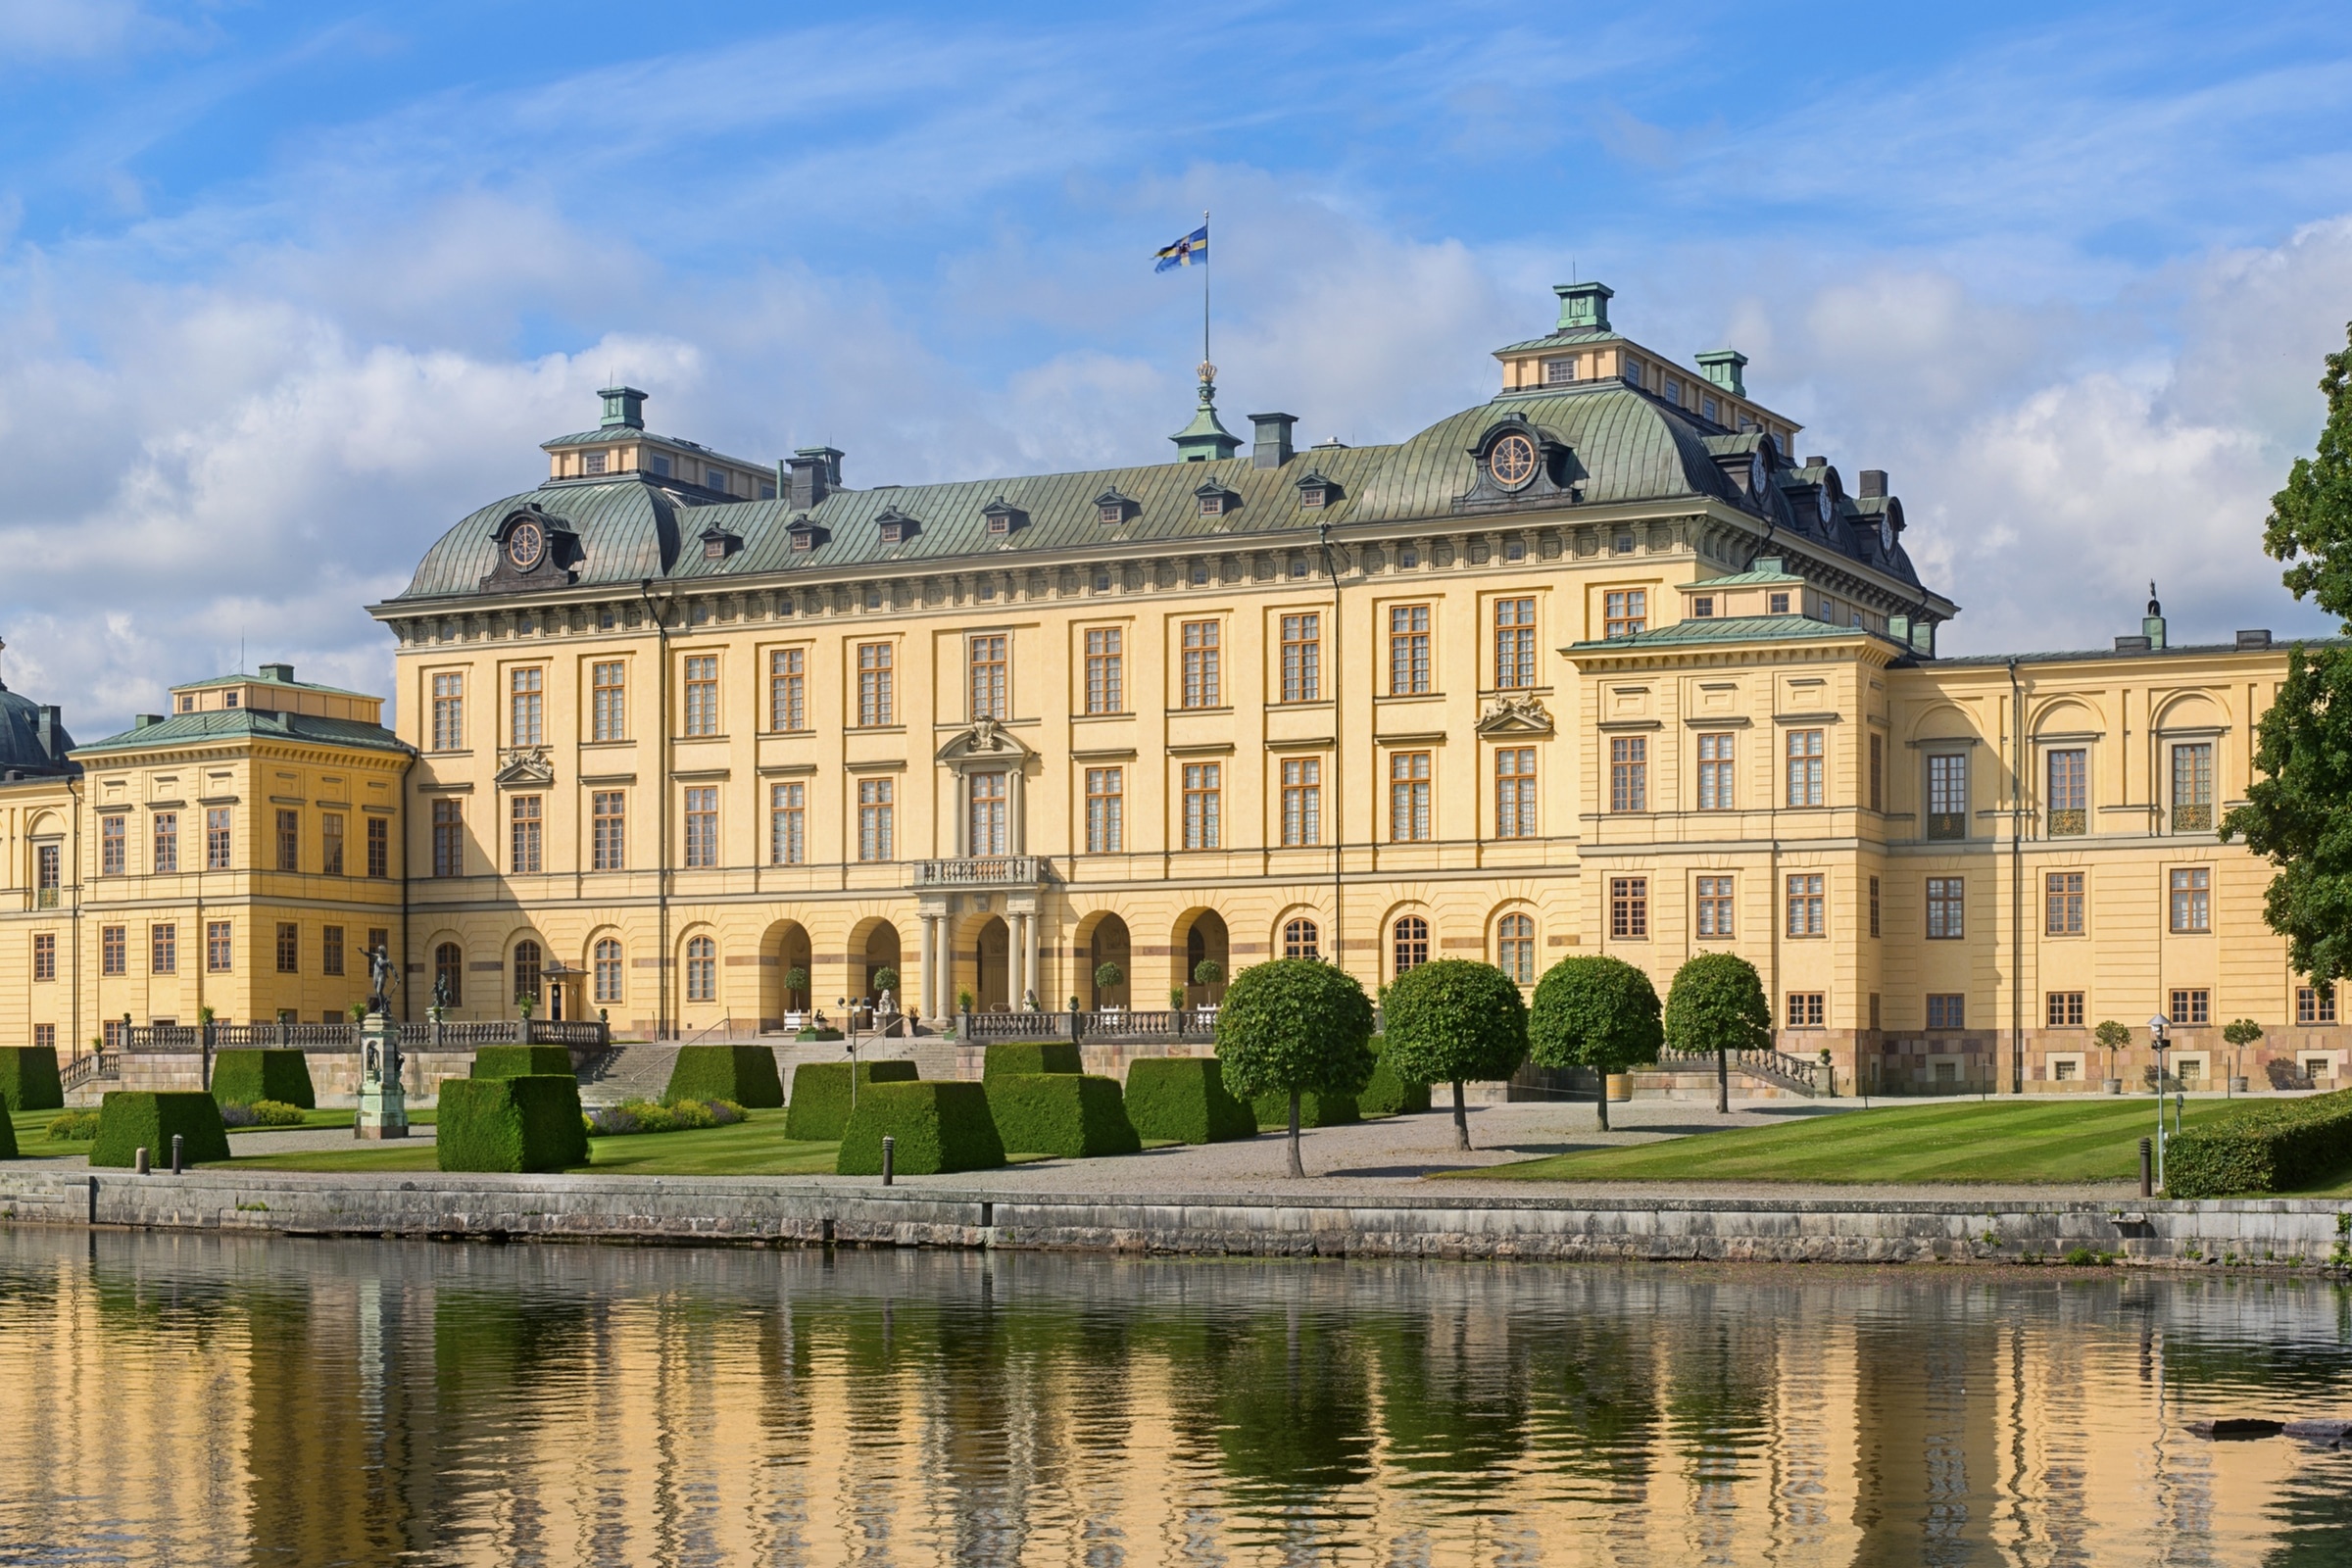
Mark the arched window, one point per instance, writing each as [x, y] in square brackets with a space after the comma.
[1515, 947]
[1411, 946]
[608, 971]
[1300, 939]
[449, 975]
[702, 971]
[527, 967]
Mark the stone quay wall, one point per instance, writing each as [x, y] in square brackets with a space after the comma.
[334, 1074]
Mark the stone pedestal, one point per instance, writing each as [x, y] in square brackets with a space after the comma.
[384, 1103]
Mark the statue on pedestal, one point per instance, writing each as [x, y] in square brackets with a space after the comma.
[383, 1101]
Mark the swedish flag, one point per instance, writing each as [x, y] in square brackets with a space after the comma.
[1189, 251]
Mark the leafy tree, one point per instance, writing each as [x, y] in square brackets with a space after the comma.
[2114, 1036]
[886, 979]
[1294, 1026]
[2240, 1033]
[1451, 1020]
[1597, 1012]
[1109, 977]
[795, 982]
[1717, 1003]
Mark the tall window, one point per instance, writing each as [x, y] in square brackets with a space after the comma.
[449, 973]
[1878, 772]
[1805, 915]
[875, 705]
[1515, 947]
[2315, 1004]
[702, 825]
[1203, 679]
[219, 946]
[1409, 943]
[449, 838]
[2192, 1009]
[1516, 791]
[530, 967]
[608, 701]
[2063, 915]
[1514, 642]
[167, 843]
[1301, 800]
[1874, 906]
[1301, 657]
[1408, 795]
[702, 970]
[330, 843]
[449, 712]
[988, 677]
[114, 950]
[1805, 767]
[2063, 1009]
[1203, 808]
[607, 965]
[1947, 1010]
[990, 823]
[1408, 650]
[289, 841]
[2069, 794]
[162, 950]
[216, 837]
[113, 839]
[1714, 907]
[44, 955]
[607, 830]
[380, 845]
[1106, 672]
[1947, 795]
[874, 824]
[787, 824]
[1105, 811]
[526, 706]
[330, 949]
[1625, 613]
[702, 694]
[1629, 773]
[48, 871]
[1947, 916]
[787, 689]
[1300, 939]
[2192, 787]
[2192, 899]
[1715, 752]
[1628, 908]
[289, 948]
[523, 834]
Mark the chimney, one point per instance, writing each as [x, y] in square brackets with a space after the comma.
[1723, 367]
[1873, 483]
[2258, 638]
[624, 406]
[2151, 624]
[815, 474]
[51, 726]
[1583, 307]
[1273, 448]
[1816, 463]
[145, 721]
[283, 673]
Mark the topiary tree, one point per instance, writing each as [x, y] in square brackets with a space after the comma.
[1717, 1003]
[1208, 973]
[2240, 1033]
[2114, 1036]
[1107, 977]
[1451, 1020]
[886, 979]
[796, 983]
[1294, 1026]
[1597, 1012]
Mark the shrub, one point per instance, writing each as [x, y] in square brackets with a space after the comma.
[1597, 1012]
[821, 1094]
[1064, 1114]
[2265, 1149]
[8, 1136]
[814, 1032]
[1031, 1055]
[1293, 1028]
[522, 1061]
[74, 1127]
[244, 1077]
[1386, 1095]
[263, 1114]
[530, 1122]
[29, 1078]
[939, 1127]
[745, 1074]
[1184, 1099]
[132, 1119]
[1315, 1109]
[670, 1117]
[1451, 1020]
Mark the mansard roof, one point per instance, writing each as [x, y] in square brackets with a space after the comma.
[247, 723]
[32, 740]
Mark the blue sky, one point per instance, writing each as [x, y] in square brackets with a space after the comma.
[288, 289]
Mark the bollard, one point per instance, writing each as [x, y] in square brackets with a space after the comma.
[2147, 1169]
[890, 1159]
[138, 1161]
[180, 1161]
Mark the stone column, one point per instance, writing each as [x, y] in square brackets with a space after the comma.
[1029, 923]
[962, 793]
[930, 950]
[1017, 801]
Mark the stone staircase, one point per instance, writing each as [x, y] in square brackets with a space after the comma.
[641, 1071]
[627, 1072]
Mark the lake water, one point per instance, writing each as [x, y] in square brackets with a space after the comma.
[187, 1400]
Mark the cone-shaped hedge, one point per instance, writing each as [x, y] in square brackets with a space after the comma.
[939, 1127]
[130, 1120]
[1066, 1116]
[1184, 1099]
[1031, 1055]
[244, 1077]
[744, 1074]
[29, 1078]
[821, 1094]
[522, 1061]
[526, 1123]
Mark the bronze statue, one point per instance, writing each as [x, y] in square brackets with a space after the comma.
[380, 982]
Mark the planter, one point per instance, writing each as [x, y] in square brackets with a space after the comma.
[2237, 1085]
[1621, 1085]
[2112, 1086]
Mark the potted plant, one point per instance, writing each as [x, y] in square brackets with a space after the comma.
[2240, 1033]
[1209, 974]
[1175, 998]
[2110, 1037]
[1107, 977]
[525, 1003]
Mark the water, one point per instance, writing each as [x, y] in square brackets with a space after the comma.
[188, 1400]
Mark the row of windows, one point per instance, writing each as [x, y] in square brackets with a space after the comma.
[1802, 763]
[1946, 901]
[220, 949]
[113, 845]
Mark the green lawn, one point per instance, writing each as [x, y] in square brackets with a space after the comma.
[754, 1148]
[1970, 1141]
[32, 1130]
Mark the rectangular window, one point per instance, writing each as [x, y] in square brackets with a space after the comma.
[1301, 657]
[1878, 772]
[1106, 672]
[1715, 772]
[449, 712]
[787, 689]
[2192, 787]
[380, 847]
[2192, 1009]
[162, 950]
[1516, 791]
[1702, 607]
[875, 705]
[2069, 794]
[1947, 795]
[1715, 907]
[2064, 1009]
[1946, 1010]
[1874, 907]
[114, 950]
[330, 843]
[608, 701]
[1947, 909]
[594, 462]
[702, 826]
[1561, 371]
[989, 822]
[449, 841]
[1105, 811]
[1805, 914]
[526, 706]
[875, 828]
[1806, 1009]
[1514, 642]
[44, 955]
[289, 948]
[219, 946]
[44, 1036]
[1629, 773]
[1408, 795]
[1806, 764]
[1301, 800]
[608, 971]
[2315, 1004]
[1203, 792]
[1775, 604]
[1408, 650]
[787, 824]
[702, 694]
[607, 830]
[48, 869]
[167, 843]
[113, 844]
[989, 696]
[2192, 899]
[1625, 613]
[523, 834]
[1204, 681]
[289, 841]
[2063, 896]
[216, 839]
[1628, 908]
[330, 949]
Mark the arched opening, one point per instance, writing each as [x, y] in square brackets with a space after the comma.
[702, 971]
[1515, 947]
[1109, 944]
[529, 966]
[1408, 943]
[991, 982]
[1204, 940]
[608, 972]
[881, 952]
[449, 975]
[1302, 938]
[787, 978]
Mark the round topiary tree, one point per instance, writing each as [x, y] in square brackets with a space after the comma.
[1597, 1012]
[795, 982]
[886, 979]
[1451, 1020]
[1717, 1005]
[2114, 1037]
[1294, 1026]
[2240, 1033]
[1209, 973]
[1107, 977]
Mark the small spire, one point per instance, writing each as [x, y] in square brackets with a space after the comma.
[1206, 437]
[2154, 609]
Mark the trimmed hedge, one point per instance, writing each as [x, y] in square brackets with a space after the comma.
[29, 1078]
[2268, 1148]
[939, 1127]
[530, 1122]
[130, 1120]
[1314, 1111]
[1031, 1057]
[818, 1034]
[522, 1061]
[1386, 1093]
[7, 1135]
[744, 1074]
[1185, 1099]
[1066, 1115]
[821, 1094]
[246, 1077]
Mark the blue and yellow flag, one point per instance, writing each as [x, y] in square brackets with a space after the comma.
[1189, 251]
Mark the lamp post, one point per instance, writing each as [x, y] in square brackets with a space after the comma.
[849, 1025]
[2156, 1028]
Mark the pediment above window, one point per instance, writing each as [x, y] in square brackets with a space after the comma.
[1515, 716]
[986, 743]
[524, 767]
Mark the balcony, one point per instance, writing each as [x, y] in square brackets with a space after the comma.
[2192, 818]
[985, 871]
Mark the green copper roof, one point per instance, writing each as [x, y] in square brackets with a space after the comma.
[1206, 437]
[248, 723]
[270, 680]
[1727, 629]
[1766, 571]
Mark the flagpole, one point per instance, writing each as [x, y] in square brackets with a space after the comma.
[1205, 296]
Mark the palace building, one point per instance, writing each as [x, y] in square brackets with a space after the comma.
[1598, 665]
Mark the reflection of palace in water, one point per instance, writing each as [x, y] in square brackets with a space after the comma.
[252, 1401]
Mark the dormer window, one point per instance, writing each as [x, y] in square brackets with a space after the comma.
[803, 533]
[661, 467]
[714, 479]
[898, 527]
[1002, 516]
[187, 705]
[1113, 514]
[593, 463]
[229, 699]
[1702, 607]
[1777, 604]
[1112, 509]
[1632, 370]
[1310, 497]
[1561, 371]
[719, 544]
[1213, 500]
[1213, 505]
[1316, 492]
